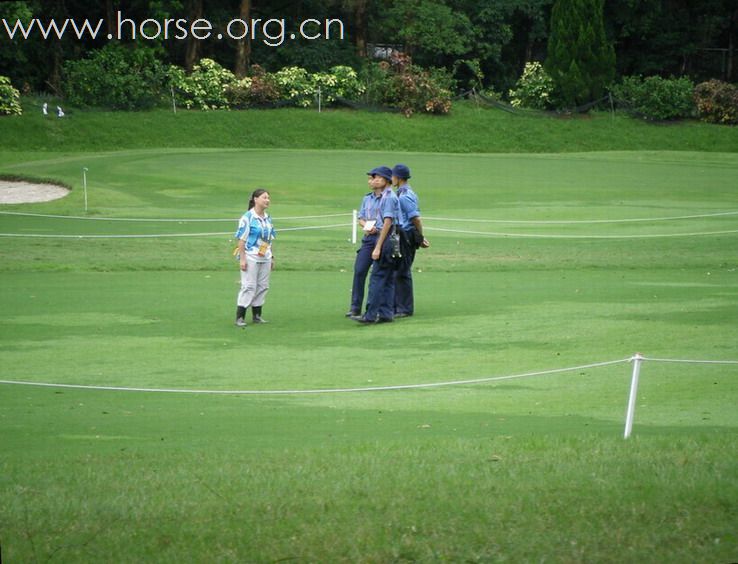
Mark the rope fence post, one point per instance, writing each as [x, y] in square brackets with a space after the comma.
[354, 225]
[637, 360]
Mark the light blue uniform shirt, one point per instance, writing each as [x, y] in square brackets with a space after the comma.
[369, 209]
[253, 229]
[389, 206]
[408, 207]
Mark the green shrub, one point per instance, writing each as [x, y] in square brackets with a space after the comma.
[9, 98]
[717, 102]
[657, 98]
[115, 77]
[534, 89]
[205, 88]
[340, 82]
[259, 89]
[296, 86]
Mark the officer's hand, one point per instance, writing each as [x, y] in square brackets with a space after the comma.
[376, 253]
[425, 244]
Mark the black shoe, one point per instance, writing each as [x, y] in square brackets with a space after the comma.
[385, 320]
[353, 313]
[361, 319]
[401, 315]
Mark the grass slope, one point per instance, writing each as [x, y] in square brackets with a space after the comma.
[468, 129]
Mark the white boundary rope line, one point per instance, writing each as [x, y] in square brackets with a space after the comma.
[430, 218]
[319, 391]
[580, 221]
[645, 358]
[162, 220]
[558, 236]
[160, 235]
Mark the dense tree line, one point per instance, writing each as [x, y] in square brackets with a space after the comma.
[482, 43]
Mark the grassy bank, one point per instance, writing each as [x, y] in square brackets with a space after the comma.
[469, 129]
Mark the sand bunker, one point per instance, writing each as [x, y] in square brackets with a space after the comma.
[28, 192]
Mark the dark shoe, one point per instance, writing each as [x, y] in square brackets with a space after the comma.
[258, 319]
[385, 320]
[240, 322]
[401, 315]
[361, 319]
[353, 313]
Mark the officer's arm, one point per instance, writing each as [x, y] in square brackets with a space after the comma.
[383, 235]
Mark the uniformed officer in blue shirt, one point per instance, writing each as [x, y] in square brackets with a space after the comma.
[370, 221]
[381, 300]
[412, 238]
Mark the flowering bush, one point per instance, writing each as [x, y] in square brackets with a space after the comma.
[401, 84]
[340, 82]
[205, 88]
[534, 89]
[717, 102]
[296, 86]
[259, 89]
[9, 98]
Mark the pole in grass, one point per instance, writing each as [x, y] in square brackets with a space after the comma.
[637, 360]
[84, 184]
[354, 225]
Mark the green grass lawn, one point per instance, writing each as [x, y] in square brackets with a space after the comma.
[574, 258]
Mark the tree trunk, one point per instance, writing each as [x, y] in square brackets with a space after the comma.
[243, 46]
[192, 51]
[730, 71]
[360, 22]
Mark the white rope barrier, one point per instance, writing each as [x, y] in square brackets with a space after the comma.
[637, 361]
[558, 236]
[680, 361]
[163, 220]
[580, 221]
[324, 390]
[160, 235]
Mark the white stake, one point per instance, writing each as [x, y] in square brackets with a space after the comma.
[354, 226]
[84, 183]
[637, 359]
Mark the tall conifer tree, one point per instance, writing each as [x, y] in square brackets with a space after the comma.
[580, 59]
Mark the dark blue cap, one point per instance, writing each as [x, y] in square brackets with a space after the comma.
[401, 171]
[383, 171]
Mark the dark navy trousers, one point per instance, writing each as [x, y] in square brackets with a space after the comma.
[381, 301]
[404, 301]
[361, 269]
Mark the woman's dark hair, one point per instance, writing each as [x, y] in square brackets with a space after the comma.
[258, 192]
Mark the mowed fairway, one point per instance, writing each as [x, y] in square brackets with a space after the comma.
[537, 262]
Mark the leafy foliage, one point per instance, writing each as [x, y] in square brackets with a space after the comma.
[534, 89]
[401, 84]
[717, 102]
[259, 89]
[9, 98]
[115, 77]
[205, 88]
[657, 98]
